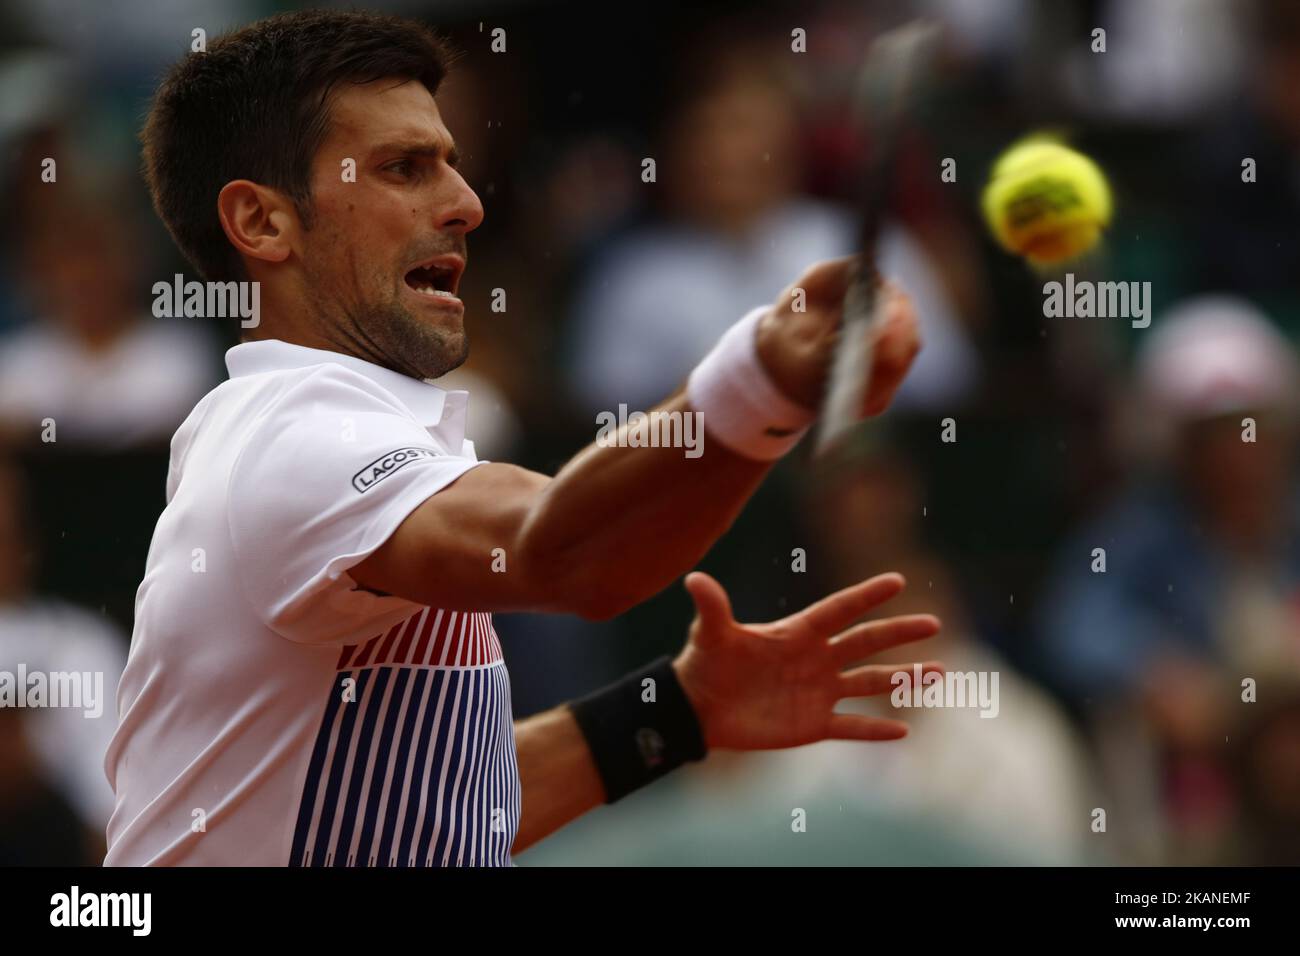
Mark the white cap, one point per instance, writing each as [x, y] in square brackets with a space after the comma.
[1215, 355]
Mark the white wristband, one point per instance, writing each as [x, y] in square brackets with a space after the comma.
[742, 408]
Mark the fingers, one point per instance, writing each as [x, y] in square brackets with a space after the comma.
[712, 606]
[897, 346]
[870, 680]
[861, 727]
[870, 638]
[837, 611]
[828, 280]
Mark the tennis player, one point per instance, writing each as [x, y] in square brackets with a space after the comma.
[314, 678]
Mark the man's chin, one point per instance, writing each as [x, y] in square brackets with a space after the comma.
[413, 345]
[453, 364]
[447, 351]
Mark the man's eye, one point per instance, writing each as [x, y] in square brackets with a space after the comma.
[402, 167]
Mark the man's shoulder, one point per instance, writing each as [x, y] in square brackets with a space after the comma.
[269, 407]
[317, 415]
[298, 395]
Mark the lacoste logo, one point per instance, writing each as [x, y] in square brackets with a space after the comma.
[382, 467]
[651, 745]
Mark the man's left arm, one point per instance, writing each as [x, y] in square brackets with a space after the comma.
[557, 774]
[749, 686]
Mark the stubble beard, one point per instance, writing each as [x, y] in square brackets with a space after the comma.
[388, 334]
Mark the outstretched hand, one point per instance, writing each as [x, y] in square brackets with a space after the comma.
[775, 685]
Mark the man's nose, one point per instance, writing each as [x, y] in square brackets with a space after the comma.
[461, 210]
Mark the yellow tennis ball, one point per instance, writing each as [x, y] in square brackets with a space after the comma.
[1046, 202]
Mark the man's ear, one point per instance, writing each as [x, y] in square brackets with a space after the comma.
[261, 223]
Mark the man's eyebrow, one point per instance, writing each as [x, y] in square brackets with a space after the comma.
[431, 150]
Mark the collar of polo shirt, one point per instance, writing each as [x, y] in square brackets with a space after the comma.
[431, 405]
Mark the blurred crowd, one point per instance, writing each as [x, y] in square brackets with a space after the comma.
[1112, 525]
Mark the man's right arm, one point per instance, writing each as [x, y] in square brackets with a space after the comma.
[619, 524]
[614, 527]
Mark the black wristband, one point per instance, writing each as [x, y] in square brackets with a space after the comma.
[633, 740]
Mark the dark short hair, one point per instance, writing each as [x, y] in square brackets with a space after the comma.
[255, 106]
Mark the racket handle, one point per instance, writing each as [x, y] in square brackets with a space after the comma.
[850, 372]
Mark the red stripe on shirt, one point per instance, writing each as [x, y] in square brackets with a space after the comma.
[419, 656]
[408, 633]
[387, 646]
[365, 651]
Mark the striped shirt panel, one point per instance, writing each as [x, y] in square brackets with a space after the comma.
[414, 762]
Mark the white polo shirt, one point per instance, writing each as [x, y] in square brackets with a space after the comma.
[272, 713]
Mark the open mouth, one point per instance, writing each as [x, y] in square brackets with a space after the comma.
[438, 278]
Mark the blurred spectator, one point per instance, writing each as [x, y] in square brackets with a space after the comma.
[737, 232]
[55, 800]
[1219, 518]
[1165, 61]
[996, 30]
[108, 374]
[145, 35]
[38, 92]
[1201, 580]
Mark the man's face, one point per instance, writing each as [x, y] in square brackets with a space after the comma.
[385, 253]
[1240, 486]
[732, 152]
